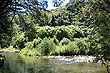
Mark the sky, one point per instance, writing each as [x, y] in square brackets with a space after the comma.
[50, 6]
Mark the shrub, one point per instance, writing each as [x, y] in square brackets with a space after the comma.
[34, 53]
[10, 48]
[64, 41]
[69, 49]
[24, 51]
[60, 32]
[18, 41]
[78, 46]
[59, 50]
[72, 48]
[82, 45]
[45, 31]
[55, 40]
[29, 45]
[46, 46]
[36, 42]
[0, 47]
[30, 52]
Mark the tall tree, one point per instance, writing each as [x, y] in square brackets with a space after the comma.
[97, 14]
[8, 10]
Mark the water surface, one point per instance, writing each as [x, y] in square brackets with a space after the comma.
[16, 63]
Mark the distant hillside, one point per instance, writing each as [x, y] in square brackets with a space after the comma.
[66, 15]
[63, 15]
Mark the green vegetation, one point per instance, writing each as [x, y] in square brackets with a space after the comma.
[2, 59]
[77, 28]
[48, 46]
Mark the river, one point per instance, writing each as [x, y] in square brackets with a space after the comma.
[16, 63]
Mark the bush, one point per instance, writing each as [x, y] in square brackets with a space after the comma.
[10, 48]
[45, 31]
[62, 32]
[82, 45]
[34, 53]
[39, 47]
[64, 41]
[0, 47]
[24, 51]
[72, 48]
[59, 50]
[29, 45]
[30, 52]
[55, 40]
[46, 46]
[69, 32]
[18, 41]
[36, 42]
[78, 46]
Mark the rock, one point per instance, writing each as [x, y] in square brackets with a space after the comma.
[9, 50]
[84, 59]
[70, 59]
[16, 50]
[78, 59]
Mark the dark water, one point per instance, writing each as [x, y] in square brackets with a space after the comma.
[23, 64]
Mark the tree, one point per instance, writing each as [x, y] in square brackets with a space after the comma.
[57, 3]
[99, 16]
[8, 10]
[96, 14]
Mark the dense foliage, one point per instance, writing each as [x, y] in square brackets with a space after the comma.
[82, 27]
[97, 14]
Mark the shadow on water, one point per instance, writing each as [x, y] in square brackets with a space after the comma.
[2, 60]
[16, 63]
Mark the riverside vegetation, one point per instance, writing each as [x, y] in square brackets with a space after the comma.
[78, 28]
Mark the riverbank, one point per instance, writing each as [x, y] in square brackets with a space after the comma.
[5, 50]
[75, 58]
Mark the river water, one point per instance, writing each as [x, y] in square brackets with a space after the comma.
[16, 63]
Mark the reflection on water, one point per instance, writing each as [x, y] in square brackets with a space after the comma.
[23, 64]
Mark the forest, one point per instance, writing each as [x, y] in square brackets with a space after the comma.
[80, 27]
